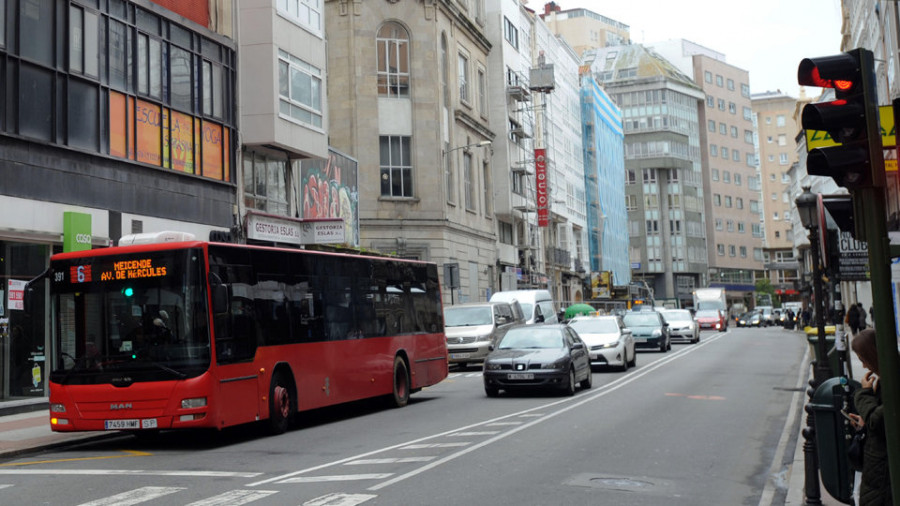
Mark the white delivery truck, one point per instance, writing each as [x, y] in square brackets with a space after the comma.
[710, 298]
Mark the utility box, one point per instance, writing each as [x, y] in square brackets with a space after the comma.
[833, 434]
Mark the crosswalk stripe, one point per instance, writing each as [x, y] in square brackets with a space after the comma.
[389, 460]
[234, 498]
[135, 496]
[435, 445]
[338, 499]
[343, 477]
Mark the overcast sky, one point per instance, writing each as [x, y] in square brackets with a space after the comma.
[767, 38]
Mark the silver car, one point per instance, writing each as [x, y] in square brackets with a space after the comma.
[471, 328]
[608, 341]
[682, 326]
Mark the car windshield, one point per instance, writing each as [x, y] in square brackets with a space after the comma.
[460, 316]
[641, 320]
[707, 314]
[531, 338]
[678, 316]
[595, 326]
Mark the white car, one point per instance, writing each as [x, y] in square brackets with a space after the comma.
[609, 342]
[682, 325]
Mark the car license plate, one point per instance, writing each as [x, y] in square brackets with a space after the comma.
[520, 376]
[460, 355]
[147, 423]
[640, 339]
[594, 356]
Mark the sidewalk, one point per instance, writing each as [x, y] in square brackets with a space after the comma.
[25, 426]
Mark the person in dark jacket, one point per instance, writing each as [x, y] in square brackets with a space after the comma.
[875, 483]
[861, 317]
[852, 318]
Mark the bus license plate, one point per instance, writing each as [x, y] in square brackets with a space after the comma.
[460, 355]
[147, 423]
[520, 376]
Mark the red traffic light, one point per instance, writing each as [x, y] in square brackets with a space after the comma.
[841, 72]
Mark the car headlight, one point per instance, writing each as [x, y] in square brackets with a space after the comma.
[491, 366]
[559, 364]
[610, 345]
[486, 337]
[656, 333]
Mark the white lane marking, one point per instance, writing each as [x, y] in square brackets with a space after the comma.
[535, 412]
[340, 477]
[338, 499]
[578, 402]
[389, 460]
[475, 433]
[501, 424]
[135, 496]
[6, 485]
[132, 472]
[234, 498]
[435, 445]
[768, 494]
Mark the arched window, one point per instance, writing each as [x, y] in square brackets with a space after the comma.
[392, 45]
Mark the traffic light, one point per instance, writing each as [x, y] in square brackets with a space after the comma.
[851, 119]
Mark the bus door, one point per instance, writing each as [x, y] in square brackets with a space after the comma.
[241, 388]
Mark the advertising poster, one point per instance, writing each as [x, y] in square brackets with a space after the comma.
[329, 189]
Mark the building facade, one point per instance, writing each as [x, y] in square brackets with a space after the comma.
[663, 177]
[123, 120]
[408, 100]
[584, 29]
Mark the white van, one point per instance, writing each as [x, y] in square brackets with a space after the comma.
[537, 305]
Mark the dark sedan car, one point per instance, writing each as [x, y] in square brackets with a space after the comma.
[538, 356]
[649, 329]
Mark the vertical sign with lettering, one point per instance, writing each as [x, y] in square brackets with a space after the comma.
[540, 174]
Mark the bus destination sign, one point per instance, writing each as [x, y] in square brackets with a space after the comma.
[119, 271]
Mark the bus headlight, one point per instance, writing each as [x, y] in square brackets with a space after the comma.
[196, 402]
[57, 407]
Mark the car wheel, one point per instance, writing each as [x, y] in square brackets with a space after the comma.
[569, 388]
[281, 405]
[491, 391]
[401, 383]
[588, 382]
[668, 345]
[663, 345]
[633, 362]
[696, 339]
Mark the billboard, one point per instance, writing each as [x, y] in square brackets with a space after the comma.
[329, 189]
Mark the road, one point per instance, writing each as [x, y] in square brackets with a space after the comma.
[701, 424]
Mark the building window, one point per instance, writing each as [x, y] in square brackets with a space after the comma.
[721, 103]
[307, 13]
[707, 76]
[83, 42]
[732, 107]
[463, 77]
[718, 223]
[719, 80]
[396, 166]
[510, 33]
[734, 132]
[735, 155]
[392, 46]
[299, 89]
[745, 90]
[743, 252]
[748, 136]
[449, 175]
[149, 66]
[482, 93]
[724, 152]
[726, 176]
[469, 181]
[783, 159]
[720, 249]
[732, 250]
[715, 174]
[738, 201]
[711, 124]
[748, 114]
[737, 179]
[717, 200]
[723, 129]
[728, 201]
[779, 120]
[730, 84]
[710, 102]
[488, 194]
[265, 188]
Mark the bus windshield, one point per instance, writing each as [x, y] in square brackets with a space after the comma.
[129, 318]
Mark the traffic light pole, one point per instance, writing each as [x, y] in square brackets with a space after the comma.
[885, 337]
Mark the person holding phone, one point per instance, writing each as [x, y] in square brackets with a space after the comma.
[875, 483]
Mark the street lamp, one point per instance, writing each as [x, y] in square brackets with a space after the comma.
[808, 209]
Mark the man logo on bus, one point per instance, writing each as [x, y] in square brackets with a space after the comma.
[114, 406]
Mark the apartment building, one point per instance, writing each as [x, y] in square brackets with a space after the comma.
[584, 29]
[123, 120]
[777, 129]
[663, 173]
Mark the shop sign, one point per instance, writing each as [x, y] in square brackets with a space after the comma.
[16, 300]
[76, 231]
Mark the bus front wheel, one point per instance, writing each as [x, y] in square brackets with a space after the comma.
[280, 404]
[401, 383]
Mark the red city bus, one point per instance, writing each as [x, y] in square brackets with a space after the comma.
[172, 335]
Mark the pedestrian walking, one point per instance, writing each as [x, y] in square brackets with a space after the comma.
[852, 318]
[875, 482]
[861, 317]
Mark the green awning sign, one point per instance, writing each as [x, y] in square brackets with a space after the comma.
[76, 231]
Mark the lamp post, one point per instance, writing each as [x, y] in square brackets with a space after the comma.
[808, 209]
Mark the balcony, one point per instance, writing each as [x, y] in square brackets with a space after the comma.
[559, 256]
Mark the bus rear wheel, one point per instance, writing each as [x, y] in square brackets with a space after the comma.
[401, 383]
[281, 404]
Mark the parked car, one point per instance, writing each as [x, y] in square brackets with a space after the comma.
[548, 355]
[609, 342]
[682, 325]
[471, 328]
[649, 329]
[713, 319]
